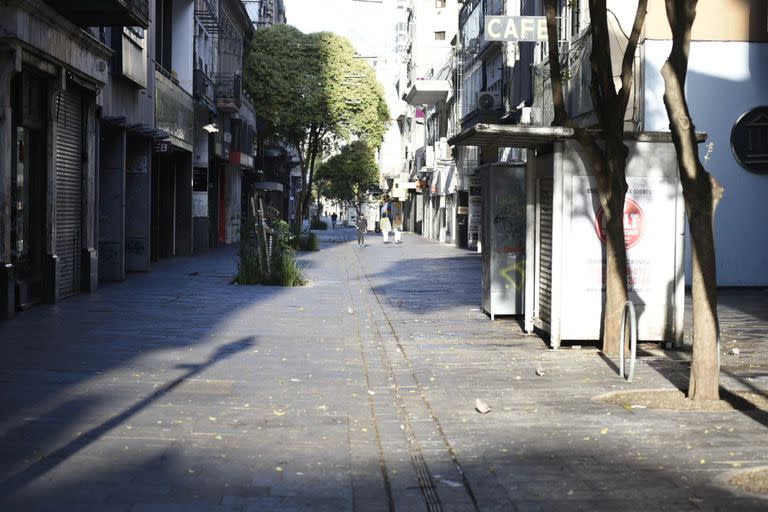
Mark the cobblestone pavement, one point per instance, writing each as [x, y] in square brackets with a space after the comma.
[176, 390]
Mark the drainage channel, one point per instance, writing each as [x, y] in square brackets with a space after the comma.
[371, 405]
[384, 331]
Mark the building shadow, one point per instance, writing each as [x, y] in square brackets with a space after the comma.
[12, 484]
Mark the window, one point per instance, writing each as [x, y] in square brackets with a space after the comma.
[439, 4]
[440, 36]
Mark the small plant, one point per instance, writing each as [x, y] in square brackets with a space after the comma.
[318, 224]
[287, 271]
[283, 269]
[307, 242]
[249, 266]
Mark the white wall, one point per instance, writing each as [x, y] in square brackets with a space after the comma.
[183, 42]
[725, 79]
[428, 52]
[232, 194]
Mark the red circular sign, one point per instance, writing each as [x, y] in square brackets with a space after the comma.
[634, 223]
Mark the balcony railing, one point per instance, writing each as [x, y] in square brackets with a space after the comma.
[203, 86]
[207, 15]
[174, 111]
[228, 90]
[103, 13]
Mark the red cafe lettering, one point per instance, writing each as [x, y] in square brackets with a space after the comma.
[634, 223]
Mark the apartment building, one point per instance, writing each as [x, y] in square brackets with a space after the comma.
[53, 72]
[431, 26]
[112, 107]
[727, 90]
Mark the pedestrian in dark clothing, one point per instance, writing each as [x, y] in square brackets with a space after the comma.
[333, 220]
[362, 226]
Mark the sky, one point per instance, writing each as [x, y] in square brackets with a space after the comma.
[369, 25]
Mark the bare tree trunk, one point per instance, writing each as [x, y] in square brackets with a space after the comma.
[302, 202]
[701, 193]
[608, 163]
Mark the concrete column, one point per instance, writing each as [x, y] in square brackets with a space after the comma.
[8, 67]
[137, 208]
[112, 205]
[50, 261]
[90, 256]
[183, 213]
[232, 207]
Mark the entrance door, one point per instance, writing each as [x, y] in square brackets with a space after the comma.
[28, 186]
[222, 238]
[69, 193]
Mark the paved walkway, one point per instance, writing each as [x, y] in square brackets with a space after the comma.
[176, 390]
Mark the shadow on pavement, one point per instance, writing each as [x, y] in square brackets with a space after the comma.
[49, 461]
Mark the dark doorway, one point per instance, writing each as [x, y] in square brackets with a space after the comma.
[462, 218]
[163, 206]
[28, 185]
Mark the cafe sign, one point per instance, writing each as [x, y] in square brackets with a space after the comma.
[516, 28]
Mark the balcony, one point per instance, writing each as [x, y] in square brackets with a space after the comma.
[114, 13]
[203, 86]
[174, 111]
[228, 90]
[427, 92]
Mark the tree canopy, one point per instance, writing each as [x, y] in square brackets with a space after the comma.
[313, 92]
[350, 173]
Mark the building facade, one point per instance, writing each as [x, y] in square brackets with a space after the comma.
[52, 74]
[111, 111]
[727, 90]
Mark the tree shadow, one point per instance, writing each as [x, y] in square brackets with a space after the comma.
[17, 481]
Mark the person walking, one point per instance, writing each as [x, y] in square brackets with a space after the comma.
[362, 226]
[333, 219]
[385, 226]
[397, 227]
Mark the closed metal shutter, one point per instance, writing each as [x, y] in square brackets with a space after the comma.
[544, 308]
[69, 192]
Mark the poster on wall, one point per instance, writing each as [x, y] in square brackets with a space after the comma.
[649, 235]
[475, 212]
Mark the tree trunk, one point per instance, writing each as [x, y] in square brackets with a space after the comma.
[608, 162]
[701, 193]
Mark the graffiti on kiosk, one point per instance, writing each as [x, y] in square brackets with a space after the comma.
[634, 223]
[514, 274]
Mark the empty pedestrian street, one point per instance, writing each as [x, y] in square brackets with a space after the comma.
[362, 390]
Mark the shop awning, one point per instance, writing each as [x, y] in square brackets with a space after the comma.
[512, 136]
[242, 159]
[516, 136]
[142, 129]
[268, 186]
[427, 92]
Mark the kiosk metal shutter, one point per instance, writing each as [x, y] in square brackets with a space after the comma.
[544, 303]
[69, 191]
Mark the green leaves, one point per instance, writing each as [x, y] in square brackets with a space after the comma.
[347, 175]
[304, 82]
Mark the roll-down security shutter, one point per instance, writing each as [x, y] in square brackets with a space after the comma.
[546, 187]
[69, 193]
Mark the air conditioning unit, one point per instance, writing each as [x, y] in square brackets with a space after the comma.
[489, 100]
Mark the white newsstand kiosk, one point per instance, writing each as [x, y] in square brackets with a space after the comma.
[565, 249]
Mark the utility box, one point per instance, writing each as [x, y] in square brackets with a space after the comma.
[503, 237]
[566, 241]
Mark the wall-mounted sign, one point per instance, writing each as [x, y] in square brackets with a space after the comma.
[634, 223]
[749, 140]
[516, 28]
[162, 146]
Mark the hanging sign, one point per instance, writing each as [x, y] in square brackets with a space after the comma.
[516, 28]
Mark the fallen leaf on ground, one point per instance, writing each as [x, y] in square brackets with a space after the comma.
[481, 406]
